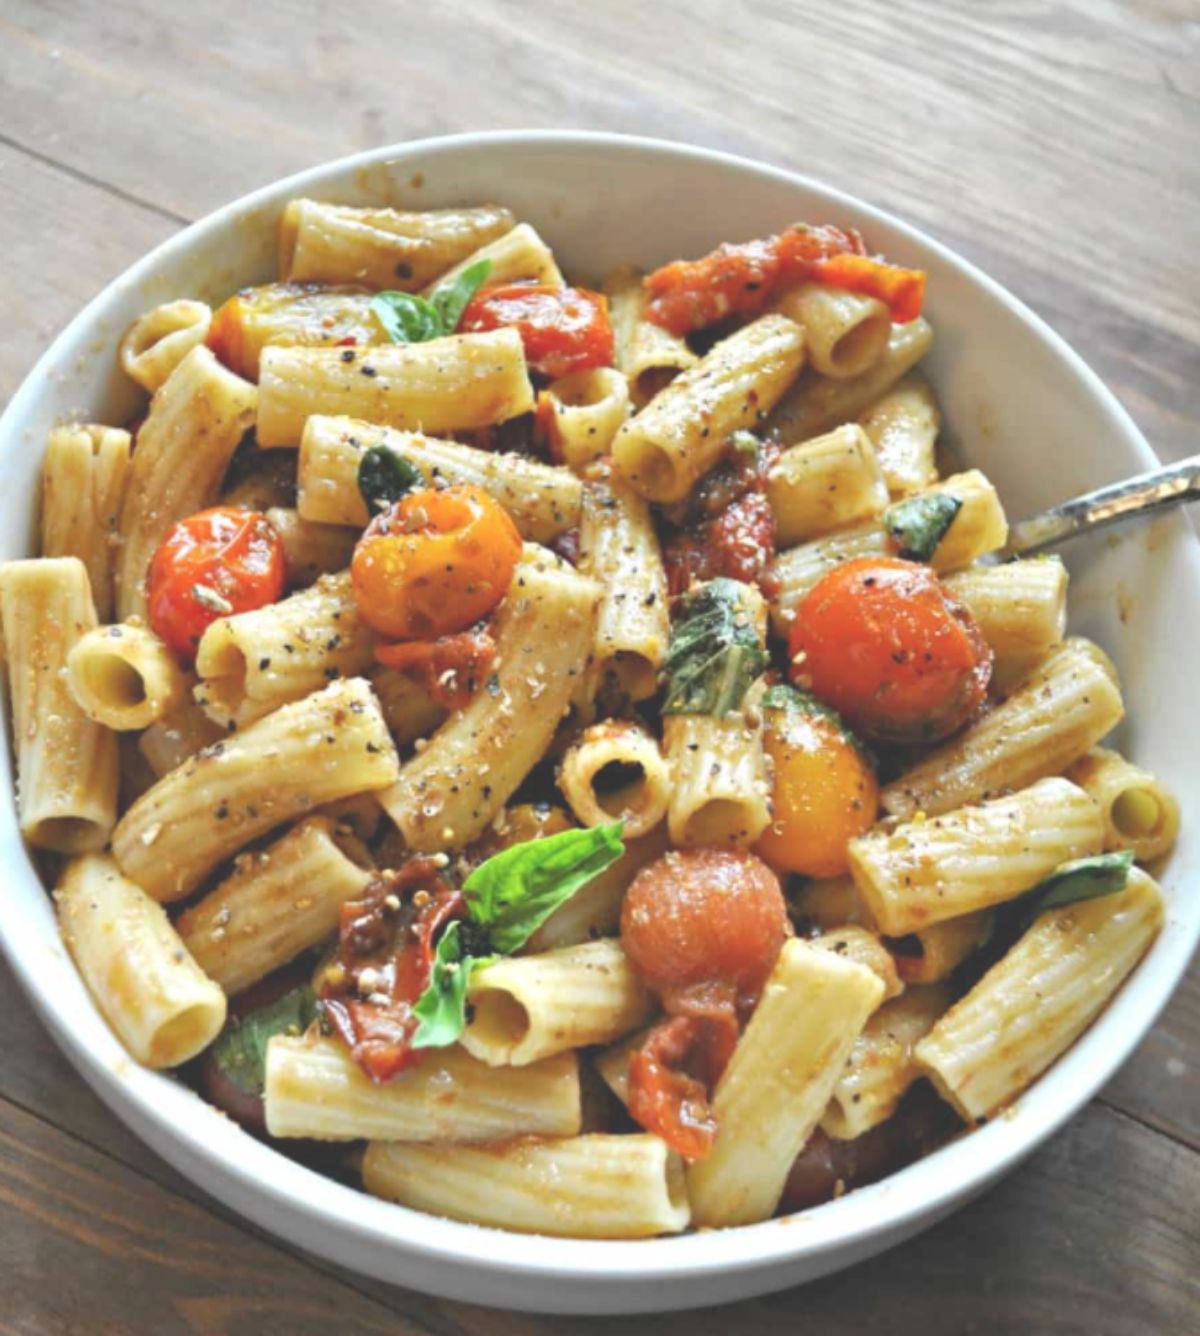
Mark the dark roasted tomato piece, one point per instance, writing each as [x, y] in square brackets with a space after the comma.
[562, 329]
[211, 565]
[386, 943]
[451, 668]
[884, 642]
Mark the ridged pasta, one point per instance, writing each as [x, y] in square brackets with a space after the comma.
[124, 676]
[903, 426]
[845, 333]
[649, 356]
[158, 341]
[585, 411]
[615, 771]
[825, 484]
[1138, 810]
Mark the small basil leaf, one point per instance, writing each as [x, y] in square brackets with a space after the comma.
[405, 317]
[516, 891]
[449, 299]
[442, 1007]
[715, 651]
[240, 1051]
[1083, 879]
[384, 477]
[918, 524]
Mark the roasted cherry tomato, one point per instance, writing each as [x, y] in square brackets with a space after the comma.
[884, 643]
[434, 563]
[825, 790]
[308, 314]
[563, 329]
[451, 668]
[211, 565]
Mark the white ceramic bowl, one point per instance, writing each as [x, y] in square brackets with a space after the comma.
[1021, 404]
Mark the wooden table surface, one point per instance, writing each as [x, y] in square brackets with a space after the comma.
[1053, 143]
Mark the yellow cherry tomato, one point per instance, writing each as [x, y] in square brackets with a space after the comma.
[825, 790]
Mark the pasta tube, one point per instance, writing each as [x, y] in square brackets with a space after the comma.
[825, 484]
[156, 999]
[615, 771]
[253, 662]
[66, 763]
[928, 870]
[596, 1186]
[315, 1089]
[158, 341]
[817, 403]
[456, 383]
[1069, 704]
[619, 548]
[881, 1066]
[845, 333]
[195, 423]
[311, 550]
[330, 745]
[382, 248]
[1028, 1009]
[1138, 810]
[124, 676]
[178, 735]
[681, 432]
[278, 902]
[649, 356]
[525, 1008]
[903, 426]
[515, 255]
[779, 1081]
[83, 488]
[542, 501]
[854, 942]
[721, 790]
[448, 793]
[585, 409]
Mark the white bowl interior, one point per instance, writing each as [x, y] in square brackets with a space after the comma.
[1021, 405]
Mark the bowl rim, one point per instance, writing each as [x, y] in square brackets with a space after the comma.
[235, 1163]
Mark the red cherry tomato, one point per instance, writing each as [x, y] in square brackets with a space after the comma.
[563, 329]
[211, 565]
[882, 641]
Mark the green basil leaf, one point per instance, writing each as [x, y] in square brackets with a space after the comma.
[1083, 879]
[240, 1050]
[715, 651]
[442, 1007]
[406, 318]
[516, 891]
[918, 524]
[449, 299]
[384, 477]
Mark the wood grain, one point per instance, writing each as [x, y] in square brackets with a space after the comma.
[1051, 142]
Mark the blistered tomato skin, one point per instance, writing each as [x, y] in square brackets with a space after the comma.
[701, 918]
[883, 643]
[211, 565]
[562, 329]
[825, 793]
[434, 563]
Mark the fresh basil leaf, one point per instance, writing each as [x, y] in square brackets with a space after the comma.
[715, 651]
[442, 1007]
[1082, 879]
[240, 1050]
[787, 698]
[406, 318]
[449, 299]
[384, 477]
[919, 523]
[516, 891]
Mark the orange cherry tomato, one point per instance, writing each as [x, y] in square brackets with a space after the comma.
[825, 791]
[884, 643]
[562, 329]
[434, 563]
[211, 565]
[702, 917]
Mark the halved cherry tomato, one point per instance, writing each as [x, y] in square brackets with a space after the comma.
[687, 295]
[211, 565]
[884, 643]
[434, 563]
[291, 314]
[562, 329]
[825, 788]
